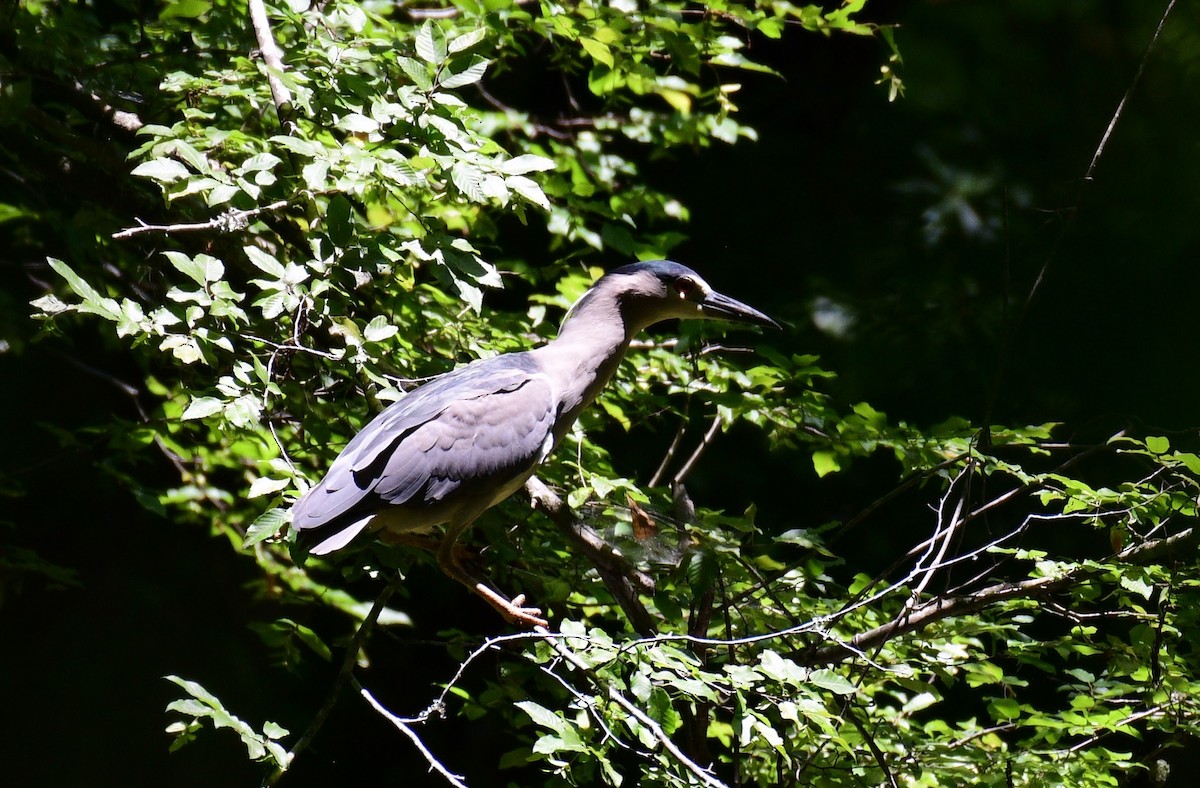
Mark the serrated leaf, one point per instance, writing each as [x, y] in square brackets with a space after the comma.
[379, 329]
[161, 170]
[431, 43]
[542, 716]
[469, 181]
[526, 162]
[468, 76]
[357, 123]
[834, 682]
[528, 189]
[265, 486]
[417, 71]
[259, 162]
[1137, 586]
[244, 411]
[93, 302]
[201, 269]
[264, 262]
[221, 194]
[202, 407]
[599, 52]
[466, 40]
[264, 526]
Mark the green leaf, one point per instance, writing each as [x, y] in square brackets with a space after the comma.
[526, 162]
[201, 269]
[542, 716]
[834, 682]
[1158, 444]
[1003, 709]
[185, 9]
[528, 189]
[265, 486]
[1137, 586]
[467, 40]
[599, 52]
[263, 261]
[202, 407]
[468, 76]
[431, 43]
[417, 71]
[265, 526]
[379, 329]
[161, 170]
[93, 302]
[825, 463]
[274, 731]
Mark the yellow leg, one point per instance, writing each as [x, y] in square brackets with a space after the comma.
[513, 611]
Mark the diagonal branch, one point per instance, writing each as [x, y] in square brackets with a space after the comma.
[344, 675]
[402, 726]
[623, 580]
[273, 57]
[704, 775]
[940, 608]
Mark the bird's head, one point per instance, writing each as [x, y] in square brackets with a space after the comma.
[660, 290]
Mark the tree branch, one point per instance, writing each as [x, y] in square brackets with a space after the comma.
[228, 222]
[344, 674]
[623, 580]
[704, 775]
[403, 727]
[940, 608]
[273, 57]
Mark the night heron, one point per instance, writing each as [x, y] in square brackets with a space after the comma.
[462, 443]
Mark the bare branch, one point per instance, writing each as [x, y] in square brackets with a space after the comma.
[344, 675]
[670, 454]
[880, 758]
[402, 726]
[944, 607]
[704, 775]
[623, 580]
[228, 222]
[1112, 123]
[699, 452]
[273, 57]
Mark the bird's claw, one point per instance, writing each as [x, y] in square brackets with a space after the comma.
[513, 611]
[517, 614]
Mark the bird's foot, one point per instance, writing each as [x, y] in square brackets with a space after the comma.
[513, 611]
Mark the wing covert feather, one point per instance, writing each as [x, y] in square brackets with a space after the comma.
[489, 421]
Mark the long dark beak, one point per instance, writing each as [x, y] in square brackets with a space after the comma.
[721, 307]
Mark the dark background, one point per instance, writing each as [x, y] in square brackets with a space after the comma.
[925, 221]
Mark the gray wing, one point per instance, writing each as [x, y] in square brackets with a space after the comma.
[479, 430]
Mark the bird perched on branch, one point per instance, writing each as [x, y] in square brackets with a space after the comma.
[462, 443]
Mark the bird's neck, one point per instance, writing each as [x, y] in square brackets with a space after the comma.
[586, 353]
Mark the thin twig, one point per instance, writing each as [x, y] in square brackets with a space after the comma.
[402, 726]
[944, 607]
[623, 580]
[873, 747]
[228, 222]
[1140, 715]
[670, 454]
[1112, 123]
[704, 443]
[344, 675]
[1088, 177]
[704, 775]
[273, 57]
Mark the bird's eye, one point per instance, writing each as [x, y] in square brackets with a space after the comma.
[685, 286]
